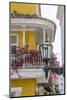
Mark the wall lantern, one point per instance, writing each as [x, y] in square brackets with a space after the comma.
[46, 53]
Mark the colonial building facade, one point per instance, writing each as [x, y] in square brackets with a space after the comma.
[29, 30]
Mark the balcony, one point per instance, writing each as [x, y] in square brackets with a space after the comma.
[21, 58]
[22, 22]
[29, 64]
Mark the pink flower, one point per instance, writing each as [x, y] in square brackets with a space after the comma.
[53, 75]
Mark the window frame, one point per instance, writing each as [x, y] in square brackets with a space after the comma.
[14, 44]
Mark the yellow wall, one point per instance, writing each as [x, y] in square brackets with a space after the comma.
[31, 39]
[23, 8]
[28, 86]
[20, 39]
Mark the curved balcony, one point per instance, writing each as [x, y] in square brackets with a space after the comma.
[37, 22]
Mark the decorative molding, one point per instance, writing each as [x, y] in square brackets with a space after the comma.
[17, 15]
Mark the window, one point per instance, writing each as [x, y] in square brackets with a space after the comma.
[16, 91]
[61, 84]
[14, 40]
[61, 79]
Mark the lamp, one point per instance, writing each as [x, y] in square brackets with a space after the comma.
[46, 52]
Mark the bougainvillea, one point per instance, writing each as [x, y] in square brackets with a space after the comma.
[22, 55]
[36, 56]
[54, 62]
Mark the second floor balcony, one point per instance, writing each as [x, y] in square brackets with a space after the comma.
[21, 58]
[23, 22]
[30, 64]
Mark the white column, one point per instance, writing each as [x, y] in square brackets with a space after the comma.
[24, 37]
[23, 45]
[43, 35]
